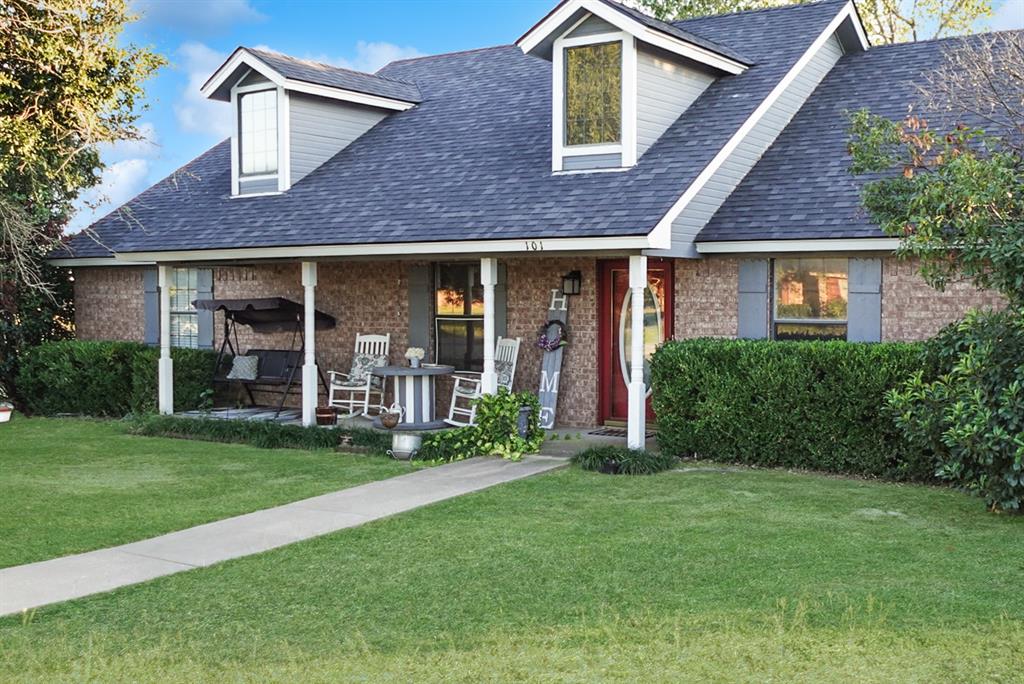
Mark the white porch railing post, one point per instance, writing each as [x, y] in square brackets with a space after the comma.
[165, 368]
[309, 388]
[489, 278]
[636, 427]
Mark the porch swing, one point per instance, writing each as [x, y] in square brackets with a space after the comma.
[276, 369]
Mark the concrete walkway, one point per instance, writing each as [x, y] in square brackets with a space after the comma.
[28, 586]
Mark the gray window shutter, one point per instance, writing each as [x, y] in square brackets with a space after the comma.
[864, 306]
[151, 306]
[752, 323]
[420, 286]
[204, 290]
[501, 302]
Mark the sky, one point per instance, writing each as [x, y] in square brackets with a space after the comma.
[196, 36]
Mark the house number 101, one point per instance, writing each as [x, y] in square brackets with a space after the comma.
[534, 246]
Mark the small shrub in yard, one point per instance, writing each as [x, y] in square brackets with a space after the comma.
[496, 431]
[971, 418]
[813, 405]
[620, 460]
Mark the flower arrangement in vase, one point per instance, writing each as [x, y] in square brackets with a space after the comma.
[415, 355]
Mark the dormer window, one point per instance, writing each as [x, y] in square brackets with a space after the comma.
[258, 132]
[593, 94]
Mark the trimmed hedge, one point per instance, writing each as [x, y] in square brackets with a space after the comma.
[108, 378]
[259, 433]
[813, 405]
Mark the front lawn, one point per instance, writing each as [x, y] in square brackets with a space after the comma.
[581, 577]
[74, 485]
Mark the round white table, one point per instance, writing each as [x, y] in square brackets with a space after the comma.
[414, 392]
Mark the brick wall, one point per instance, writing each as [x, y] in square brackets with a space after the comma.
[530, 282]
[913, 311]
[109, 304]
[706, 297]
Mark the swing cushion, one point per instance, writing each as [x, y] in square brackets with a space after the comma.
[244, 368]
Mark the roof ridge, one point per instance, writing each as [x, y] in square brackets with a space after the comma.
[777, 8]
[314, 63]
[443, 54]
[942, 39]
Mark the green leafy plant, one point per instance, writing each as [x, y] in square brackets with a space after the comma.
[496, 431]
[620, 460]
[108, 378]
[813, 405]
[971, 417]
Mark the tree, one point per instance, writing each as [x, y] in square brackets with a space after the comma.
[885, 21]
[954, 195]
[66, 87]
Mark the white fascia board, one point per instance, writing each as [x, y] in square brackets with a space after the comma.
[95, 261]
[553, 21]
[820, 245]
[409, 249]
[709, 171]
[240, 58]
[348, 95]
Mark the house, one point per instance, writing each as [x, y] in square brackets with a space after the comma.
[693, 173]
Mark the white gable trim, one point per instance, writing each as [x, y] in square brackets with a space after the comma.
[820, 245]
[563, 13]
[241, 58]
[664, 226]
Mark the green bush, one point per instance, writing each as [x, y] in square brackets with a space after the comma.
[615, 460]
[107, 378]
[496, 432]
[813, 405]
[971, 417]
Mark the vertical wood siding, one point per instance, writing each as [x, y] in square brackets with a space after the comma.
[320, 128]
[700, 210]
[664, 89]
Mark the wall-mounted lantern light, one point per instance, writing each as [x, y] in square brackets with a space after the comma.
[571, 283]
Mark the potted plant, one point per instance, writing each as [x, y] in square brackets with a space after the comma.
[415, 355]
[6, 407]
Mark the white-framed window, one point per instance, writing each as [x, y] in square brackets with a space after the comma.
[183, 290]
[809, 298]
[459, 316]
[257, 130]
[593, 94]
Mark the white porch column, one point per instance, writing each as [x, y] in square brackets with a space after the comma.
[636, 427]
[309, 374]
[165, 368]
[489, 278]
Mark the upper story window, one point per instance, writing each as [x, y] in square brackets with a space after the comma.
[258, 132]
[811, 296]
[593, 94]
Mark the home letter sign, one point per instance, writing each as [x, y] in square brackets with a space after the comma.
[551, 364]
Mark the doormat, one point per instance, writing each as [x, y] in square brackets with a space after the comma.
[615, 432]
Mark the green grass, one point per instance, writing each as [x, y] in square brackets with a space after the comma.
[581, 577]
[74, 485]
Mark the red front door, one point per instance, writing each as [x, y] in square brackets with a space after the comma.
[614, 336]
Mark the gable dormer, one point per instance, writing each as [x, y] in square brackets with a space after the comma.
[293, 115]
[619, 79]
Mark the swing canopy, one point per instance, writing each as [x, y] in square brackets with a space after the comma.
[266, 314]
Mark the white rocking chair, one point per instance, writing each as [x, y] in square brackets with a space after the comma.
[466, 391]
[352, 391]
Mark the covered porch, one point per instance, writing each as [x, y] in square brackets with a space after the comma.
[368, 296]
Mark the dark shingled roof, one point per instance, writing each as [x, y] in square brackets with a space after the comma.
[802, 188]
[336, 77]
[471, 161]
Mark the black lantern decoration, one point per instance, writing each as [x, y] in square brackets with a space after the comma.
[571, 282]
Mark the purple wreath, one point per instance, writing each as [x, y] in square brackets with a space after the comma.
[551, 342]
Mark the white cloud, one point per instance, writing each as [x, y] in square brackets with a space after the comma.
[121, 181]
[147, 145]
[369, 56]
[197, 16]
[1009, 15]
[196, 113]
